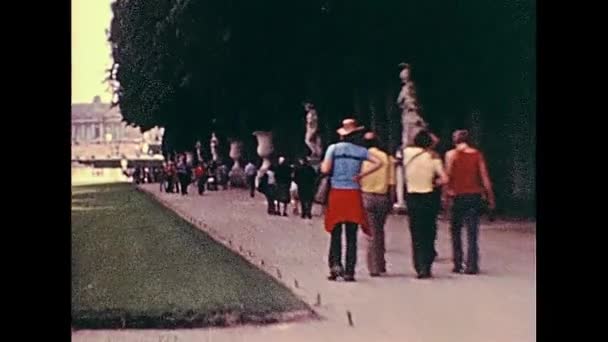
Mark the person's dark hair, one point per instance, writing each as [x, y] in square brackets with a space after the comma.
[403, 65]
[356, 138]
[423, 139]
[376, 142]
[461, 136]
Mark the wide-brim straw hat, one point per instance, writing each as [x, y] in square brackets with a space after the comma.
[349, 126]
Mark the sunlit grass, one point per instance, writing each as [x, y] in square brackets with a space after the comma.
[134, 263]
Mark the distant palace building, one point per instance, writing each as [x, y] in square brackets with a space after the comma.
[98, 132]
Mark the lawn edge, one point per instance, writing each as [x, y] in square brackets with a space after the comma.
[116, 319]
[218, 238]
[123, 319]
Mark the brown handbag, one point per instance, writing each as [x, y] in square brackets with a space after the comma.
[323, 186]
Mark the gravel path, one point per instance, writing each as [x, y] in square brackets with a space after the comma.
[497, 305]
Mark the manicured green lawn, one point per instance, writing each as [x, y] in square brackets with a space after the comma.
[136, 264]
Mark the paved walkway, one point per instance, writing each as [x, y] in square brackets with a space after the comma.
[497, 305]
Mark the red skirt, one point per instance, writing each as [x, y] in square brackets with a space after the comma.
[345, 205]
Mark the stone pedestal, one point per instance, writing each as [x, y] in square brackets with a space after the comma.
[213, 145]
[399, 207]
[315, 162]
[412, 123]
[236, 174]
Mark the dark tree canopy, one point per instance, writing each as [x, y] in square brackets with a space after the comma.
[236, 66]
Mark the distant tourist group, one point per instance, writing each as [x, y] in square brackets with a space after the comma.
[282, 184]
[177, 175]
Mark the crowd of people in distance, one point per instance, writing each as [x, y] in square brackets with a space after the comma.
[176, 175]
[283, 184]
[362, 191]
[142, 175]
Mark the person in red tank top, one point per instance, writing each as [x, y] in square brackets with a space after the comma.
[199, 173]
[469, 182]
[466, 178]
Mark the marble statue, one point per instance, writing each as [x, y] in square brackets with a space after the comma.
[198, 151]
[410, 110]
[312, 137]
[411, 122]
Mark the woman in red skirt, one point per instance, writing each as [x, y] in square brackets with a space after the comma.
[343, 161]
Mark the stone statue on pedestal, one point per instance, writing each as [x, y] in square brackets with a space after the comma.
[236, 174]
[412, 123]
[312, 137]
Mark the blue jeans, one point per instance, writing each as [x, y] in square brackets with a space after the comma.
[466, 210]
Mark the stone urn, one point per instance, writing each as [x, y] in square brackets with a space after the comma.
[265, 150]
[236, 174]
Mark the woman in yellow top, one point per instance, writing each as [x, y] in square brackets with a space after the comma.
[378, 196]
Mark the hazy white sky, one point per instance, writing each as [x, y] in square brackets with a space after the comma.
[91, 53]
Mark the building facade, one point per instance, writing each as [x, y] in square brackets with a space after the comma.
[98, 132]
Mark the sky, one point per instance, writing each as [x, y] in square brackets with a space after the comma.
[91, 53]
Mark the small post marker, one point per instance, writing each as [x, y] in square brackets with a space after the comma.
[350, 318]
[230, 242]
[279, 273]
[262, 262]
[295, 283]
[318, 303]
